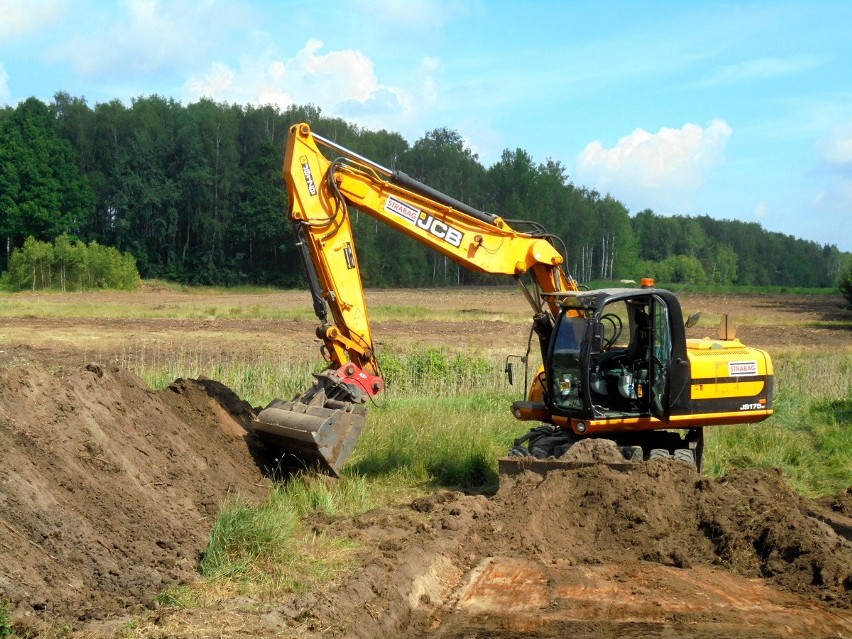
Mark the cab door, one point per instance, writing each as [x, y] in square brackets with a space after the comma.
[661, 358]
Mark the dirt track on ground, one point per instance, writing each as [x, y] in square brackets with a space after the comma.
[108, 491]
[493, 321]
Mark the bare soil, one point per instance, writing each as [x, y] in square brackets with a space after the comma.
[108, 491]
[483, 320]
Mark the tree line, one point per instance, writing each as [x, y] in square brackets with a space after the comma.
[195, 194]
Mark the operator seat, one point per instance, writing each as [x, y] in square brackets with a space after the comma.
[637, 350]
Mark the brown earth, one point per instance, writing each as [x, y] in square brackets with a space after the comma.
[108, 491]
[492, 321]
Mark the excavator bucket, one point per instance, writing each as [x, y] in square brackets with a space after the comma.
[318, 429]
[320, 437]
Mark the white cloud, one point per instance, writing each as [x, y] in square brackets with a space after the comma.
[347, 74]
[759, 69]
[761, 210]
[836, 147]
[217, 81]
[830, 207]
[655, 169]
[21, 17]
[328, 79]
[429, 87]
[341, 82]
[5, 94]
[149, 36]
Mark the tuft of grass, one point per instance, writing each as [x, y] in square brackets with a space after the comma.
[181, 596]
[266, 550]
[5, 621]
[453, 441]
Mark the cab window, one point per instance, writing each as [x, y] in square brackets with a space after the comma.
[618, 374]
[565, 362]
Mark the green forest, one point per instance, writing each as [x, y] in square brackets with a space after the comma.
[194, 193]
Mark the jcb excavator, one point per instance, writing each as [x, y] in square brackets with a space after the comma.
[616, 361]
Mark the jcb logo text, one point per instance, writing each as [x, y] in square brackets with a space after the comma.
[440, 230]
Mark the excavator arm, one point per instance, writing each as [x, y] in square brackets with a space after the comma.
[321, 425]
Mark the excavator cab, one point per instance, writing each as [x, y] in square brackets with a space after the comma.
[618, 366]
[610, 355]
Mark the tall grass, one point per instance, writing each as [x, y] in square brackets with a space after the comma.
[444, 417]
[264, 550]
[810, 435]
[257, 378]
[449, 441]
[267, 375]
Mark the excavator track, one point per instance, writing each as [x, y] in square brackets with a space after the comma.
[546, 448]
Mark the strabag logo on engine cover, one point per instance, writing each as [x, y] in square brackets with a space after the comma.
[309, 177]
[741, 369]
[428, 223]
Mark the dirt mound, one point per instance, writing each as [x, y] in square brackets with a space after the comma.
[748, 522]
[594, 451]
[108, 489]
[653, 546]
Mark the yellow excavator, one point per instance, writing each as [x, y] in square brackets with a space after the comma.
[616, 361]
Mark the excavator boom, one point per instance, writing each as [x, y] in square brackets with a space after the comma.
[320, 426]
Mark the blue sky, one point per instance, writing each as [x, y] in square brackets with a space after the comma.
[738, 110]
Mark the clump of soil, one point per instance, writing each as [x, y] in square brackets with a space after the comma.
[108, 489]
[840, 502]
[594, 451]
